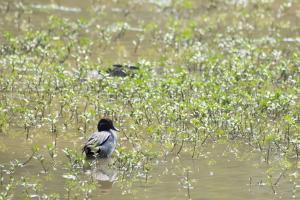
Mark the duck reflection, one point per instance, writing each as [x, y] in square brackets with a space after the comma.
[101, 170]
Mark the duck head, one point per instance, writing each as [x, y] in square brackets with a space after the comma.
[106, 124]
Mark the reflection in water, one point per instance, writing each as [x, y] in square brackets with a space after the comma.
[102, 171]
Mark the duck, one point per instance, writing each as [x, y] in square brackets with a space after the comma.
[102, 143]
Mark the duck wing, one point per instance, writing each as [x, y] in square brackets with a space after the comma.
[97, 139]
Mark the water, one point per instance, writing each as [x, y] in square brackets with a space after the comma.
[220, 172]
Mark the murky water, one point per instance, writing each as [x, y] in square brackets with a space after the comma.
[221, 171]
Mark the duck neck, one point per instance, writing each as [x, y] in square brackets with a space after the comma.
[114, 133]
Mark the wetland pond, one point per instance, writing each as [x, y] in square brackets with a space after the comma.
[205, 95]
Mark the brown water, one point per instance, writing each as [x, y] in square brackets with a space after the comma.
[221, 172]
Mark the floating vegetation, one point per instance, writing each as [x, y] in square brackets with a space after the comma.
[206, 98]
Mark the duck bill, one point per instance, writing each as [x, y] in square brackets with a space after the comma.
[115, 129]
